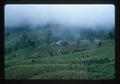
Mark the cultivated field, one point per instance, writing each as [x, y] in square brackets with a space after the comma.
[36, 62]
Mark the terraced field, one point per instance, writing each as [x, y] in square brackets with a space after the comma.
[95, 63]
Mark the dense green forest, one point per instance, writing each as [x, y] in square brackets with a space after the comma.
[58, 52]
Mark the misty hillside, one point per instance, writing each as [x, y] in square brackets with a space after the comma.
[59, 41]
[28, 57]
[41, 34]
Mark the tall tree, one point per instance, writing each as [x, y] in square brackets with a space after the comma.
[48, 37]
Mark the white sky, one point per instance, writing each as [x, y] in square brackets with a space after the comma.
[75, 14]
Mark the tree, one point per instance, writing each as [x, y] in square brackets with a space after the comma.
[48, 37]
[31, 43]
[111, 34]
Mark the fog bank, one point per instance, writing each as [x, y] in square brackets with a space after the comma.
[74, 14]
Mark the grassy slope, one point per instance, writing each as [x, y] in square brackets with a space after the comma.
[35, 63]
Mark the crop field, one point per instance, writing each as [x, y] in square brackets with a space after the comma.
[94, 63]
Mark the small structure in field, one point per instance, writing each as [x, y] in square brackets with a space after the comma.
[55, 48]
[58, 42]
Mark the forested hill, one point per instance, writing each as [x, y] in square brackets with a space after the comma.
[24, 36]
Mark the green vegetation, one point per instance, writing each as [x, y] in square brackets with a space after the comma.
[96, 63]
[33, 60]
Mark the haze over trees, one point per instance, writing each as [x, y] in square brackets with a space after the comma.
[59, 42]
